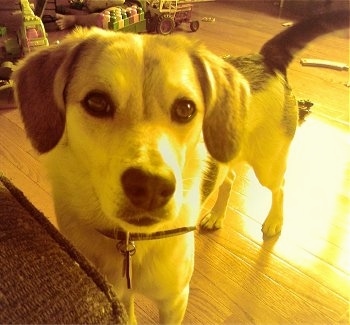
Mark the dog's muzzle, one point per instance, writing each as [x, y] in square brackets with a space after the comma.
[147, 190]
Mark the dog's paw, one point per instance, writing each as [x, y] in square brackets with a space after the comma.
[272, 226]
[211, 221]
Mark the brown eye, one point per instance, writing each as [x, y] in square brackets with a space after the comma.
[98, 104]
[183, 110]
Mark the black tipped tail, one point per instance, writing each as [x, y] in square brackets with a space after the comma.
[279, 51]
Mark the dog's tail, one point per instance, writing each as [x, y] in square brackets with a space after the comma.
[279, 51]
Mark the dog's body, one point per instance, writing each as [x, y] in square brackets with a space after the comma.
[265, 143]
[119, 120]
[272, 120]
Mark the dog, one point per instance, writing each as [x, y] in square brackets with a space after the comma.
[268, 137]
[137, 130]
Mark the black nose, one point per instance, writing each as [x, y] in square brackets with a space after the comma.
[147, 190]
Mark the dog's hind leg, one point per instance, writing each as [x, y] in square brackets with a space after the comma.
[214, 219]
[271, 175]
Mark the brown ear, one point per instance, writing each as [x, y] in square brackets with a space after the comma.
[226, 95]
[40, 81]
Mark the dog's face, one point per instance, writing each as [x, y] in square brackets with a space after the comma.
[129, 112]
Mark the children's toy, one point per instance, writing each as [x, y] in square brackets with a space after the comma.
[126, 18]
[324, 64]
[160, 16]
[165, 15]
[30, 36]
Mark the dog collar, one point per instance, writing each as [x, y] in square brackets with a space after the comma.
[126, 244]
[139, 236]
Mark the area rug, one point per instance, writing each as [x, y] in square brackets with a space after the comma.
[43, 278]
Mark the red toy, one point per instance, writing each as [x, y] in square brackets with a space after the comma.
[165, 15]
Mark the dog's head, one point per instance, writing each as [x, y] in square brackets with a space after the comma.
[131, 109]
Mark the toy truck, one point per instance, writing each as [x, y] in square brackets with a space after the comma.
[165, 15]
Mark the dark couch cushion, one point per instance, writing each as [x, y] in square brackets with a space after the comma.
[43, 279]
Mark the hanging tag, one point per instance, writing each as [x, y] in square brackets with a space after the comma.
[128, 249]
[128, 269]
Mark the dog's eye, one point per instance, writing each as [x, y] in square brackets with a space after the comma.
[98, 104]
[183, 110]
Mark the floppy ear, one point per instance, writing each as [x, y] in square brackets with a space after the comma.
[226, 95]
[39, 83]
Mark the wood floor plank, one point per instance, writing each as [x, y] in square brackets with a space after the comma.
[20, 164]
[23, 161]
[14, 130]
[249, 286]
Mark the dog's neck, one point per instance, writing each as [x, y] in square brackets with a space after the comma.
[126, 244]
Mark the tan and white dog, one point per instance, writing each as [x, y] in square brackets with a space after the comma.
[120, 121]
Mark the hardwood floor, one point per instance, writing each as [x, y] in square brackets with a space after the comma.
[300, 277]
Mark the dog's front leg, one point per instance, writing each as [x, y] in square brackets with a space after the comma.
[129, 304]
[172, 310]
